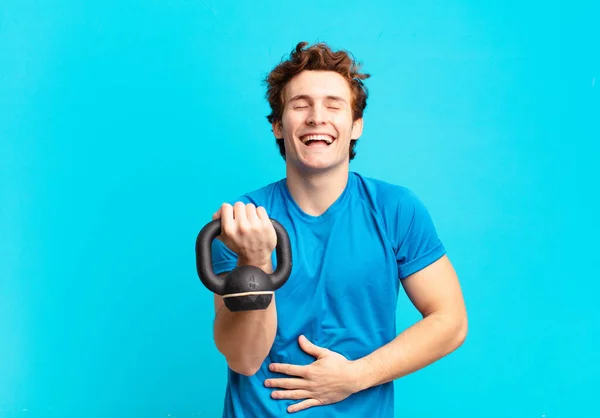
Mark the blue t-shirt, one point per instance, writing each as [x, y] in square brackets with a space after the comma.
[343, 289]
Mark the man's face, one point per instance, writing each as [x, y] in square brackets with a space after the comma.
[317, 121]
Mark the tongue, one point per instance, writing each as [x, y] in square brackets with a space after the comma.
[317, 143]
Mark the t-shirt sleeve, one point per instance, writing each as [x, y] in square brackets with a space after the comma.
[223, 259]
[417, 241]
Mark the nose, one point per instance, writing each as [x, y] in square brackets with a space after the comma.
[315, 116]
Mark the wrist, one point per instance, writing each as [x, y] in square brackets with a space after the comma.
[264, 265]
[360, 375]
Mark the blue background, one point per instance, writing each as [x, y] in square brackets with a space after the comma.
[125, 124]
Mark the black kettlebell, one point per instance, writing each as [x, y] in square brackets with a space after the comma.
[245, 288]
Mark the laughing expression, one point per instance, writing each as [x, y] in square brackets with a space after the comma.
[317, 123]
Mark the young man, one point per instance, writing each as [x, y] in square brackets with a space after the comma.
[327, 345]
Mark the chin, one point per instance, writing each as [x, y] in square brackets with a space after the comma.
[316, 166]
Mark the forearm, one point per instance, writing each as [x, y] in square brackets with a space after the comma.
[425, 342]
[245, 338]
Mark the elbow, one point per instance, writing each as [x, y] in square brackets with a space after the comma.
[461, 330]
[242, 362]
[239, 363]
[455, 328]
[246, 369]
[249, 371]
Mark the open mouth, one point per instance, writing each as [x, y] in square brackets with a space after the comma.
[317, 140]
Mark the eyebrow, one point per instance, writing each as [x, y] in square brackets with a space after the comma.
[306, 97]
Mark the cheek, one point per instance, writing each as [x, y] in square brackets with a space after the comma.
[342, 120]
[291, 128]
[343, 127]
[288, 123]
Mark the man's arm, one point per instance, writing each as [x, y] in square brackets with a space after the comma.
[436, 293]
[245, 338]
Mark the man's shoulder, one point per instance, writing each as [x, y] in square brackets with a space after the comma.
[395, 204]
[384, 193]
[402, 213]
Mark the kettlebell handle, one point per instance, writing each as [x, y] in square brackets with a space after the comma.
[218, 284]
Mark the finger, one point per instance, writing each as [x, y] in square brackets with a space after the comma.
[251, 214]
[291, 394]
[289, 369]
[227, 218]
[287, 383]
[311, 348]
[263, 216]
[308, 403]
[217, 214]
[239, 213]
[261, 212]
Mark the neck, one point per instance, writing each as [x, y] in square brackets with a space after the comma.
[314, 192]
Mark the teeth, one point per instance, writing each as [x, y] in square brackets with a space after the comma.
[325, 138]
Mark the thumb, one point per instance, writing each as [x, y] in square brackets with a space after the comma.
[311, 348]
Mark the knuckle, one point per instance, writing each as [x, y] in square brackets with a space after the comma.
[228, 230]
[244, 227]
[238, 207]
[262, 214]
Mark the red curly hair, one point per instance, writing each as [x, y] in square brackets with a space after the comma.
[316, 57]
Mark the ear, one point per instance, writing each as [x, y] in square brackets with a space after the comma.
[277, 131]
[357, 128]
